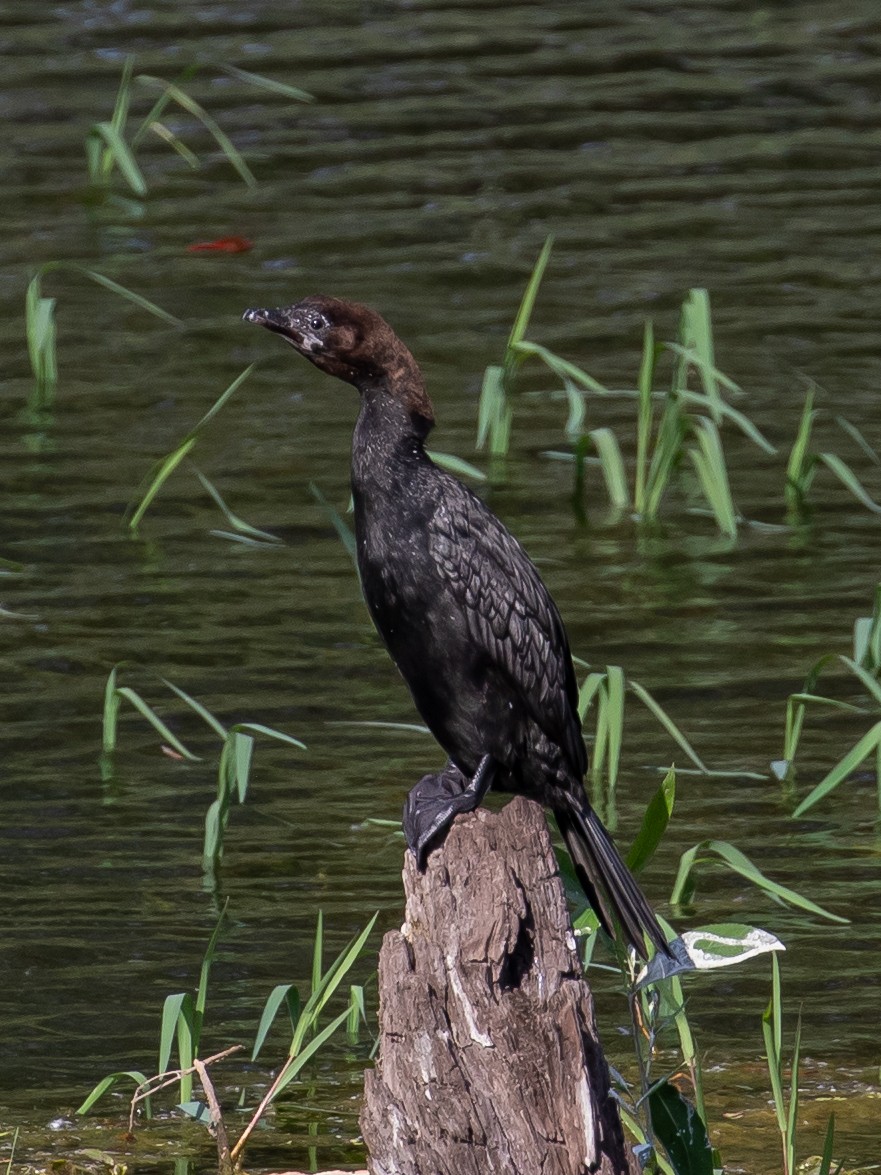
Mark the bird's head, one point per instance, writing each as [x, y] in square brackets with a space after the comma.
[352, 342]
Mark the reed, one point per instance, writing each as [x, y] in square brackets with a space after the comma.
[111, 145]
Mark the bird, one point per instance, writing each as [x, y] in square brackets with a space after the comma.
[465, 616]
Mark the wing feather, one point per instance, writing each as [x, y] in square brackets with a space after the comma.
[510, 614]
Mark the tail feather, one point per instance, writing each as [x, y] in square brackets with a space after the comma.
[606, 880]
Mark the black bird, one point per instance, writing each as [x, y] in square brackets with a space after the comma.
[465, 616]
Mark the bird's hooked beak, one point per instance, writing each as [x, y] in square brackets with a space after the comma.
[278, 321]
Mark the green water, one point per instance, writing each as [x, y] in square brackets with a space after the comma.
[723, 145]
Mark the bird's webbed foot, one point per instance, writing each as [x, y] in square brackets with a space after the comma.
[436, 800]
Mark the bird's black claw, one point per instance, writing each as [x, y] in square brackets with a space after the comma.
[436, 800]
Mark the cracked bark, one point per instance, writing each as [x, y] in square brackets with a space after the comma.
[489, 1058]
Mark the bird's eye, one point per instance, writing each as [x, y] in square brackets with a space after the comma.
[316, 322]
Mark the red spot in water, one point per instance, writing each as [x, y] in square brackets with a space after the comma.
[222, 245]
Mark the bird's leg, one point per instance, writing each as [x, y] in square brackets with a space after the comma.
[437, 799]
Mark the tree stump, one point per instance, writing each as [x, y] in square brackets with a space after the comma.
[489, 1060]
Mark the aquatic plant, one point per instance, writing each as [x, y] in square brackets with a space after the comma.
[182, 1020]
[670, 1130]
[163, 469]
[804, 462]
[234, 766]
[111, 145]
[40, 323]
[865, 666]
[786, 1106]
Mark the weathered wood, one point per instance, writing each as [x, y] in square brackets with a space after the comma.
[489, 1059]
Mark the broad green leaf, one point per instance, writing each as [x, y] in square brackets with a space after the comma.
[654, 824]
[727, 943]
[680, 1129]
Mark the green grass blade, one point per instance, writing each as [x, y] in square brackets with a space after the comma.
[328, 984]
[491, 403]
[346, 535]
[870, 683]
[669, 725]
[854, 433]
[848, 478]
[296, 1062]
[792, 1115]
[801, 464]
[866, 746]
[645, 413]
[40, 332]
[741, 421]
[122, 156]
[561, 367]
[318, 952]
[157, 478]
[238, 524]
[123, 96]
[131, 296]
[222, 399]
[243, 753]
[825, 1167]
[156, 722]
[615, 687]
[280, 994]
[271, 732]
[168, 136]
[183, 99]
[612, 465]
[524, 313]
[588, 692]
[457, 465]
[207, 960]
[204, 713]
[264, 83]
[107, 1083]
[171, 1011]
[110, 718]
[709, 462]
[740, 863]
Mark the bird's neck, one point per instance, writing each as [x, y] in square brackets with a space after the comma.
[389, 437]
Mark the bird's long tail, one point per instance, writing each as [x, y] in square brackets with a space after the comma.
[606, 880]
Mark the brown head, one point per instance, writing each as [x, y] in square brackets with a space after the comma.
[353, 343]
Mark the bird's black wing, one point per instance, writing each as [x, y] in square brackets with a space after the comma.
[510, 614]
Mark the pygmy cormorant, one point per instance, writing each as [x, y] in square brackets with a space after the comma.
[464, 614]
